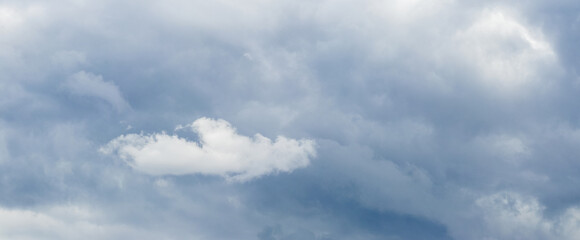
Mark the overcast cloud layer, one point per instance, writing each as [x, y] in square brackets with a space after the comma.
[280, 120]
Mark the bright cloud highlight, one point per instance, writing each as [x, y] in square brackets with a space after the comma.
[220, 151]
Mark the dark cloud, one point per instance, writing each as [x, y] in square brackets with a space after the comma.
[432, 119]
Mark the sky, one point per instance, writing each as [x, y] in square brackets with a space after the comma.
[289, 119]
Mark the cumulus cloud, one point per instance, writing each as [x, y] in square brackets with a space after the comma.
[220, 151]
[87, 84]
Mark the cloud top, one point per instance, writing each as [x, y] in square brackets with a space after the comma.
[220, 151]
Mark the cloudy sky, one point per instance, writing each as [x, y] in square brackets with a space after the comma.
[289, 120]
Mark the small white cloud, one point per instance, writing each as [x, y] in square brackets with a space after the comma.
[88, 84]
[220, 151]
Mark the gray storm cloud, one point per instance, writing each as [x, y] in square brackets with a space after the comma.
[395, 119]
[91, 85]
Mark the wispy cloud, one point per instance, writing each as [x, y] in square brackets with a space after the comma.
[90, 85]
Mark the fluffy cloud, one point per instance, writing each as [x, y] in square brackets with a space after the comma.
[220, 151]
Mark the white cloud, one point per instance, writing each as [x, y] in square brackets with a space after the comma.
[88, 84]
[220, 151]
[505, 52]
